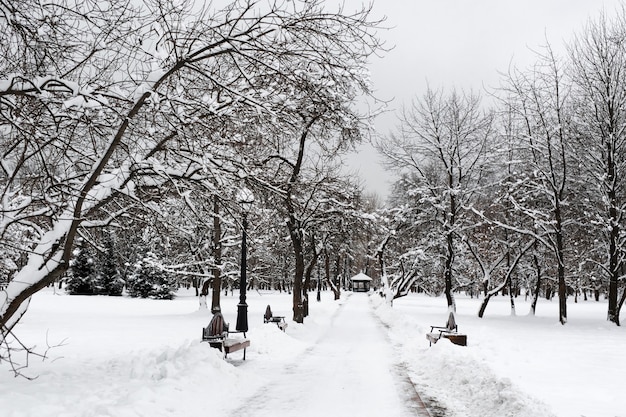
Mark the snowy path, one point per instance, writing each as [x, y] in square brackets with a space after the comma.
[350, 371]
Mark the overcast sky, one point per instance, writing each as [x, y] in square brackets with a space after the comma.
[462, 44]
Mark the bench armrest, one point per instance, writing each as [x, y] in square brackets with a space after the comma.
[444, 328]
[236, 331]
[273, 319]
[212, 338]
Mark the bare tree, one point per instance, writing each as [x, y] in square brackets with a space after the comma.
[540, 103]
[308, 194]
[442, 140]
[598, 56]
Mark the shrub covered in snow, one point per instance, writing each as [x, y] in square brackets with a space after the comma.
[150, 281]
[82, 277]
[110, 281]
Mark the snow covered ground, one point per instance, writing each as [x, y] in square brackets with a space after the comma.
[129, 357]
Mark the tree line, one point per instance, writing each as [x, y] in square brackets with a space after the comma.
[527, 195]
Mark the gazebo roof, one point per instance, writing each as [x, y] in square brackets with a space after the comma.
[360, 277]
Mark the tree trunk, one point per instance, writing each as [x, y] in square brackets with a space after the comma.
[307, 277]
[511, 294]
[450, 249]
[507, 279]
[319, 284]
[336, 279]
[560, 265]
[217, 256]
[612, 314]
[203, 294]
[533, 305]
[620, 304]
[483, 305]
[296, 240]
[330, 282]
[448, 270]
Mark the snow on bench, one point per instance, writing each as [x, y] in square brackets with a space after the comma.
[218, 336]
[268, 317]
[449, 331]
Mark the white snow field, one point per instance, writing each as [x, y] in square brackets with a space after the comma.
[123, 357]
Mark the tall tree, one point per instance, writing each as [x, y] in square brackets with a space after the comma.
[301, 152]
[541, 104]
[442, 140]
[598, 56]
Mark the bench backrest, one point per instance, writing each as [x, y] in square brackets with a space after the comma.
[268, 313]
[216, 326]
[451, 324]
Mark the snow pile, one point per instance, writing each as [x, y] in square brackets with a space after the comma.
[513, 365]
[459, 378]
[138, 357]
[158, 382]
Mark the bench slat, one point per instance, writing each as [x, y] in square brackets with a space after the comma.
[235, 345]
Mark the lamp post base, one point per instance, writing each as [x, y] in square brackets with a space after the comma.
[242, 317]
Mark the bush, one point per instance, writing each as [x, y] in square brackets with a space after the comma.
[150, 281]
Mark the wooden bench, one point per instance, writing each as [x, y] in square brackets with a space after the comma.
[449, 331]
[268, 317]
[218, 336]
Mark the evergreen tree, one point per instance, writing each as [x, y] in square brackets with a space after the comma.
[148, 280]
[163, 285]
[110, 281]
[82, 278]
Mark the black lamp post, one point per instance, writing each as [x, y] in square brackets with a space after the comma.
[319, 284]
[245, 198]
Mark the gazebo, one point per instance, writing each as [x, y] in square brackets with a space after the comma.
[360, 282]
